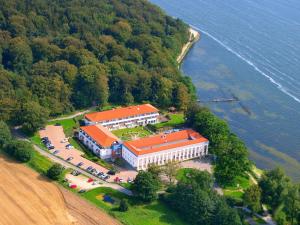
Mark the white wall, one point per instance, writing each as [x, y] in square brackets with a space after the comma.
[119, 123]
[160, 158]
[103, 153]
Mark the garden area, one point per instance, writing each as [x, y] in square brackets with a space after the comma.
[132, 133]
[156, 213]
[175, 120]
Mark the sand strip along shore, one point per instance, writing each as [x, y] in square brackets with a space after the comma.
[194, 37]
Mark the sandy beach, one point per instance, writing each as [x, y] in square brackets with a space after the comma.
[194, 36]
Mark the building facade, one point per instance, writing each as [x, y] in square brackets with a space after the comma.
[159, 149]
[126, 117]
[100, 141]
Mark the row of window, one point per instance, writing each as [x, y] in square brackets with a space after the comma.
[130, 117]
[178, 156]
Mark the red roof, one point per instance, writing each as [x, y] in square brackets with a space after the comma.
[163, 142]
[119, 113]
[100, 134]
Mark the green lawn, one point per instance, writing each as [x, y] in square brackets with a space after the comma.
[39, 163]
[130, 133]
[155, 213]
[236, 190]
[36, 139]
[181, 174]
[176, 120]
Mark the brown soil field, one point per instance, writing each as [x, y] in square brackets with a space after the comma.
[28, 198]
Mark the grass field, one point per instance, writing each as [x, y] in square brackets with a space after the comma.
[155, 213]
[176, 120]
[131, 133]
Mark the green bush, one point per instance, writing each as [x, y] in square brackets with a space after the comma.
[55, 171]
[20, 150]
[124, 206]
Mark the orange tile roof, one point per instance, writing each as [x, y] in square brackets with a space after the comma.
[163, 142]
[100, 134]
[119, 113]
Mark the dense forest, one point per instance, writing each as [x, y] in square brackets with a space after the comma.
[57, 56]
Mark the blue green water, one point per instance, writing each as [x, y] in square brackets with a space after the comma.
[249, 49]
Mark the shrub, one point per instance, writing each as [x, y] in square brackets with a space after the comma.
[123, 207]
[20, 150]
[55, 171]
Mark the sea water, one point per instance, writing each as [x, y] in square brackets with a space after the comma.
[249, 49]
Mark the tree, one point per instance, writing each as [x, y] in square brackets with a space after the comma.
[280, 218]
[252, 198]
[155, 170]
[20, 150]
[5, 134]
[181, 97]
[232, 160]
[199, 179]
[224, 215]
[292, 204]
[192, 202]
[145, 186]
[170, 169]
[55, 171]
[274, 185]
[32, 116]
[18, 56]
[124, 206]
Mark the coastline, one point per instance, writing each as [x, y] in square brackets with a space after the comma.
[194, 37]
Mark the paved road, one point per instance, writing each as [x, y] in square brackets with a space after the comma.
[69, 165]
[72, 116]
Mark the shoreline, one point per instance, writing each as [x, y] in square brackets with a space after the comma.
[194, 37]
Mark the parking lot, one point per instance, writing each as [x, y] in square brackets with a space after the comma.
[58, 139]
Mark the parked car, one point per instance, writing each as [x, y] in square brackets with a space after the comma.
[50, 147]
[89, 168]
[102, 176]
[80, 164]
[69, 146]
[82, 191]
[106, 177]
[75, 173]
[99, 174]
[111, 172]
[55, 152]
[69, 159]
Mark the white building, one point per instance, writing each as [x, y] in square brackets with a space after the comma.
[159, 149]
[132, 116]
[100, 141]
